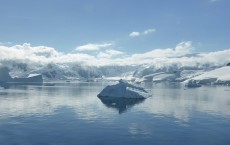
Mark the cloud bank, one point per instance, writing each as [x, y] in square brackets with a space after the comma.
[181, 55]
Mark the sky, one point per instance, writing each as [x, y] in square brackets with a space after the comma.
[122, 26]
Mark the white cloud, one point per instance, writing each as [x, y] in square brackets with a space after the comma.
[181, 49]
[79, 58]
[93, 47]
[134, 34]
[149, 31]
[184, 48]
[109, 53]
[27, 52]
[114, 52]
[146, 32]
[103, 55]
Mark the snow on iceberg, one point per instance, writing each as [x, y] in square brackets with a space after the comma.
[123, 90]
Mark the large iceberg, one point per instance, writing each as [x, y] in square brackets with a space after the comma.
[31, 79]
[124, 90]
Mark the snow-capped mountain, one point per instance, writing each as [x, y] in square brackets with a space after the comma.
[170, 64]
[149, 73]
[54, 71]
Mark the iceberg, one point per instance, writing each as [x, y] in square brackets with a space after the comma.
[192, 84]
[123, 90]
[31, 79]
[4, 75]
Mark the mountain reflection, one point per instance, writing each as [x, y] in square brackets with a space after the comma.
[120, 104]
[166, 100]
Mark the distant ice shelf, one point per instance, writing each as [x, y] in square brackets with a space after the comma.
[219, 76]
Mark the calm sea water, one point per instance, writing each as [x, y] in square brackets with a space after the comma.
[71, 114]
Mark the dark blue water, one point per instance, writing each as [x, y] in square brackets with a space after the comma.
[70, 114]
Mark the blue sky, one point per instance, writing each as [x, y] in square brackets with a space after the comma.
[69, 24]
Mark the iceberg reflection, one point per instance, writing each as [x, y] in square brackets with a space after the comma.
[120, 104]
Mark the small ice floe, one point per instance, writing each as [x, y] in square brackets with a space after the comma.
[124, 90]
[192, 84]
[48, 84]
